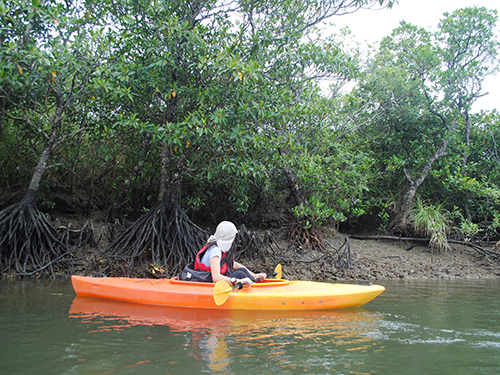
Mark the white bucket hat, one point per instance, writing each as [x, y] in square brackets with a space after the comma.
[224, 235]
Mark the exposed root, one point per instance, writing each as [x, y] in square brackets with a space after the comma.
[114, 229]
[249, 244]
[268, 248]
[306, 237]
[78, 237]
[342, 256]
[165, 237]
[28, 241]
[488, 254]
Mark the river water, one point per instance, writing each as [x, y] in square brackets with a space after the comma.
[414, 327]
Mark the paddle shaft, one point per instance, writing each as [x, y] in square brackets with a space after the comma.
[230, 289]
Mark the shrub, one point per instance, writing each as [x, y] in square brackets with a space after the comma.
[431, 221]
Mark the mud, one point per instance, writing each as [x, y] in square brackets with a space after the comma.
[373, 260]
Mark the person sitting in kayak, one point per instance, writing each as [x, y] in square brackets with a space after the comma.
[215, 261]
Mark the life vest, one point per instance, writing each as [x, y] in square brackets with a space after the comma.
[199, 266]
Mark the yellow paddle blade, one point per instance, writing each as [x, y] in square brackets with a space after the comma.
[278, 271]
[221, 292]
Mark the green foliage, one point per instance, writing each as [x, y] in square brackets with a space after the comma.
[335, 182]
[48, 68]
[219, 98]
[317, 210]
[475, 184]
[495, 224]
[469, 50]
[465, 228]
[418, 90]
[17, 159]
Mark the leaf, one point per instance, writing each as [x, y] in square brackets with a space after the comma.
[20, 69]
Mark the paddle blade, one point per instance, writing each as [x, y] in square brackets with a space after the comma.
[278, 272]
[221, 292]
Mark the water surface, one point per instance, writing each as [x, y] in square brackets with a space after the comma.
[448, 327]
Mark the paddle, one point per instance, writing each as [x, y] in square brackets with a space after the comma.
[222, 288]
[277, 272]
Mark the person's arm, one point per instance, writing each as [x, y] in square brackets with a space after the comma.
[256, 276]
[217, 276]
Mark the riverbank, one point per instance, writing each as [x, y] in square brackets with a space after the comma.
[374, 260]
[370, 259]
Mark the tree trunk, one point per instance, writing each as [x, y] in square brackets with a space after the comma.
[399, 221]
[29, 243]
[164, 171]
[44, 159]
[305, 237]
[465, 116]
[165, 235]
[292, 181]
[34, 185]
[171, 179]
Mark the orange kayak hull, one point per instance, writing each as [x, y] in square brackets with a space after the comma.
[264, 295]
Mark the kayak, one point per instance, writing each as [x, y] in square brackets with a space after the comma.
[268, 294]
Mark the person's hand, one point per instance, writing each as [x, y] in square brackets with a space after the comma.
[260, 276]
[245, 281]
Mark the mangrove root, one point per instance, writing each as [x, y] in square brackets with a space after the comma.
[28, 241]
[164, 237]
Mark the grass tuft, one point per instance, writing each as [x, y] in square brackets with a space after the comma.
[431, 221]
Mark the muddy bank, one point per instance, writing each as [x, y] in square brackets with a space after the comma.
[374, 260]
[370, 260]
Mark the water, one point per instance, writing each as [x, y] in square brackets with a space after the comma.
[447, 327]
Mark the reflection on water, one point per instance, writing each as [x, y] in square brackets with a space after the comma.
[224, 336]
